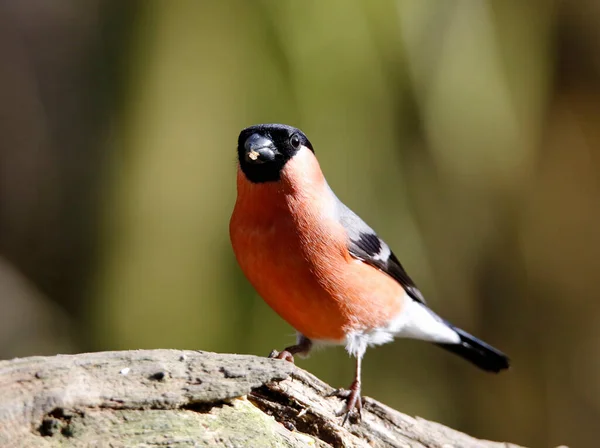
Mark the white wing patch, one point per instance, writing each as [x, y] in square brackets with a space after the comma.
[384, 253]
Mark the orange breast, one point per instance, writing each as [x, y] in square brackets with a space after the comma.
[294, 252]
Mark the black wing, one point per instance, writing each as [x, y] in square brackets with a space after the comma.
[365, 245]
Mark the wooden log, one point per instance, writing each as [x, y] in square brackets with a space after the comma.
[180, 398]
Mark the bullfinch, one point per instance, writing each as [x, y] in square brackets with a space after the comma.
[320, 266]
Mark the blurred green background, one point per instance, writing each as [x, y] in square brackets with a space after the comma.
[467, 132]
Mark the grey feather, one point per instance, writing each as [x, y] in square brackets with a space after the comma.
[365, 245]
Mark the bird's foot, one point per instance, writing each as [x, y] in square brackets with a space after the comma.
[301, 348]
[284, 354]
[353, 401]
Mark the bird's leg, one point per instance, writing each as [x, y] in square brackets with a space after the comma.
[352, 395]
[302, 347]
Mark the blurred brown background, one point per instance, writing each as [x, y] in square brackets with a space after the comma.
[465, 131]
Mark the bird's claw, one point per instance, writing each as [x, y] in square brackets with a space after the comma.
[284, 354]
[353, 401]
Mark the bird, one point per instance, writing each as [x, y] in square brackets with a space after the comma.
[319, 266]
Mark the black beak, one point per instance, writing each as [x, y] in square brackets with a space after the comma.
[259, 149]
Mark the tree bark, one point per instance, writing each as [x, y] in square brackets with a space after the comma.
[191, 398]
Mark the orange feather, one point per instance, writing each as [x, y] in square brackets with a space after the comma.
[292, 248]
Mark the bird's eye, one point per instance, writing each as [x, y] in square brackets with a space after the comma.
[295, 141]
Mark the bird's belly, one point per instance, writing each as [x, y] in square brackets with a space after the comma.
[285, 280]
[313, 284]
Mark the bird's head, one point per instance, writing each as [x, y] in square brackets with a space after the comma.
[264, 149]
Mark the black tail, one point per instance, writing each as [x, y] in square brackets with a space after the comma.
[478, 352]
